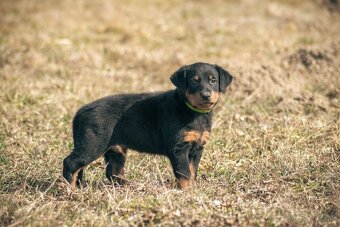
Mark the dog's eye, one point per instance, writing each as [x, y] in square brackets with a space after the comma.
[213, 80]
[195, 80]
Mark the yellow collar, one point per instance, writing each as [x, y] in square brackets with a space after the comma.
[196, 109]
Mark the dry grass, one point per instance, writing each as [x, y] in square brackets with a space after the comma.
[275, 149]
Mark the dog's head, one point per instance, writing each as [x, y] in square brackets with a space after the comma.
[201, 83]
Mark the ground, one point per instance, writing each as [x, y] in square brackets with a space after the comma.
[274, 154]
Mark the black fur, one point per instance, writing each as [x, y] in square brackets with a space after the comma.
[224, 78]
[157, 123]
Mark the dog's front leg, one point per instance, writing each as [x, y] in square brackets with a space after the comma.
[180, 163]
[194, 160]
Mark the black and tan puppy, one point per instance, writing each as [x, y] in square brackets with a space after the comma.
[175, 123]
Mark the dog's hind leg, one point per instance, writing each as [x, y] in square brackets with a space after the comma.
[72, 168]
[115, 158]
[80, 157]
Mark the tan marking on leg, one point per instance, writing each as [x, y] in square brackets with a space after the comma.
[205, 137]
[192, 170]
[120, 179]
[123, 152]
[118, 149]
[191, 136]
[120, 176]
[73, 182]
[185, 183]
[121, 173]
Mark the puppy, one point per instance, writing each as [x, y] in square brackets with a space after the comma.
[175, 123]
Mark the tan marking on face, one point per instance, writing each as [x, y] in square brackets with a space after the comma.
[192, 170]
[194, 99]
[214, 96]
[74, 179]
[185, 183]
[192, 136]
[205, 137]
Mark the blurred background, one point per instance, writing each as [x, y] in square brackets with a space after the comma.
[274, 153]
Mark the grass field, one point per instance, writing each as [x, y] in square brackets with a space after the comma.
[274, 154]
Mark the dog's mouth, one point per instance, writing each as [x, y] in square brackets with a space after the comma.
[197, 101]
[207, 105]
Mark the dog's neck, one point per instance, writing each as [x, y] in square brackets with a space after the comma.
[188, 105]
[198, 110]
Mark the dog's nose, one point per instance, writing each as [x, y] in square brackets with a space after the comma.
[205, 95]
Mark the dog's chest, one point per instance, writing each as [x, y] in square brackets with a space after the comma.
[197, 131]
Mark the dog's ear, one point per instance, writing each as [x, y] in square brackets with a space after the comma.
[178, 78]
[224, 78]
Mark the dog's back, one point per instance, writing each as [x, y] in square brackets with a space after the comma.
[101, 116]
